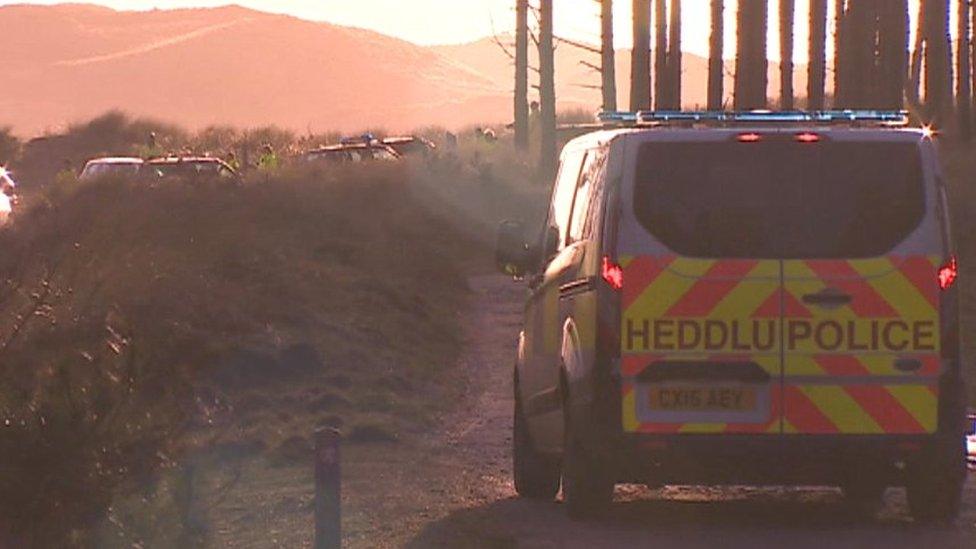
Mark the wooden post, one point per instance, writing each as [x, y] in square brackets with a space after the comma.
[328, 502]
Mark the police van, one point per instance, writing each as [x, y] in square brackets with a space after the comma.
[746, 299]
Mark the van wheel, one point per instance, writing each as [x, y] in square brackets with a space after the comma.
[935, 482]
[587, 484]
[536, 475]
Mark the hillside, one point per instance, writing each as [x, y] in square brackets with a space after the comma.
[229, 66]
[239, 67]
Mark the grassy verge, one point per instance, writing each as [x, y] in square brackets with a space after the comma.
[147, 333]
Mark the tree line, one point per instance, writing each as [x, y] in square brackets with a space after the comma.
[874, 65]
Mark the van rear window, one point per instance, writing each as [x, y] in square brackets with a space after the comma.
[779, 199]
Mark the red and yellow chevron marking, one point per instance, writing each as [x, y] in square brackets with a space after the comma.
[679, 309]
[857, 388]
[839, 365]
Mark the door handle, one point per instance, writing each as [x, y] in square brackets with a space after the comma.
[827, 298]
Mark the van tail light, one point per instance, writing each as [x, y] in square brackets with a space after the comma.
[948, 273]
[749, 138]
[612, 273]
[807, 137]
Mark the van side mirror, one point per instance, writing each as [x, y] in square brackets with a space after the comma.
[513, 255]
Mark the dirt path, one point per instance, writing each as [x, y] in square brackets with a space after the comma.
[453, 488]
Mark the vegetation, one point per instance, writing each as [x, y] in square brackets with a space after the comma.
[144, 329]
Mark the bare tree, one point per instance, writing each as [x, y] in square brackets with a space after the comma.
[716, 52]
[840, 50]
[674, 57]
[547, 89]
[912, 94]
[964, 91]
[938, 64]
[608, 68]
[521, 74]
[893, 34]
[786, 21]
[640, 61]
[750, 60]
[817, 69]
[662, 83]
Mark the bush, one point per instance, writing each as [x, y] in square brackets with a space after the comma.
[9, 146]
[120, 304]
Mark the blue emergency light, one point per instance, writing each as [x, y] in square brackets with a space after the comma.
[892, 118]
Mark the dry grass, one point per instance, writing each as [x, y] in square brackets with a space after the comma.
[143, 329]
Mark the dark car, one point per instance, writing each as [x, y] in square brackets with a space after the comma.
[188, 167]
[352, 152]
[410, 145]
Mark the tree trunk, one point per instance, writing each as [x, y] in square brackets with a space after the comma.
[817, 69]
[608, 66]
[860, 35]
[938, 90]
[840, 52]
[751, 64]
[786, 20]
[913, 93]
[640, 61]
[522, 74]
[716, 63]
[674, 56]
[547, 89]
[662, 84]
[964, 82]
[893, 50]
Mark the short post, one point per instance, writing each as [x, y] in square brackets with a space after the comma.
[328, 504]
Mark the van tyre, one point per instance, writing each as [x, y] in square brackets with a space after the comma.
[935, 482]
[536, 475]
[587, 486]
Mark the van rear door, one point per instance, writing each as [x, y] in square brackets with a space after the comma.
[861, 341]
[701, 305]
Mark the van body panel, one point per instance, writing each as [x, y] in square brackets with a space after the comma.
[746, 314]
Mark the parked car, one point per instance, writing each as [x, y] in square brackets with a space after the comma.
[352, 152]
[188, 167]
[8, 196]
[411, 145]
[111, 167]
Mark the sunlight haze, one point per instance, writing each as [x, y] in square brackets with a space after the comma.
[429, 22]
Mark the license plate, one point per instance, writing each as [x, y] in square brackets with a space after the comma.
[703, 399]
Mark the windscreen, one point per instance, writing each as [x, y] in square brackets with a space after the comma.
[779, 199]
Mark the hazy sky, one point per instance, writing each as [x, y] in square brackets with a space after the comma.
[455, 21]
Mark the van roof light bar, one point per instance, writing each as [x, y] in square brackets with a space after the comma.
[862, 116]
[618, 117]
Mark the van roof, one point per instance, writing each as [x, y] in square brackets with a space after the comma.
[116, 160]
[712, 133]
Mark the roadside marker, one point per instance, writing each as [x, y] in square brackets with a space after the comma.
[328, 493]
